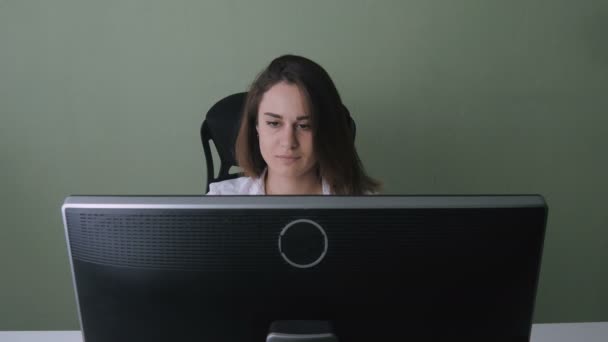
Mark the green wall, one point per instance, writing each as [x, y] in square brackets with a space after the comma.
[450, 97]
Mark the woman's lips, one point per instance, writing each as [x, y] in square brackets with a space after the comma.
[287, 159]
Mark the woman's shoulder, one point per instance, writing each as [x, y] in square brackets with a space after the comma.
[236, 186]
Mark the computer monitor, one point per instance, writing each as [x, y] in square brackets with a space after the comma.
[370, 268]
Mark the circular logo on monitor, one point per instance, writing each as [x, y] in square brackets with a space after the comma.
[303, 243]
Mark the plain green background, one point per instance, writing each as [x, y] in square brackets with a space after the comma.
[450, 97]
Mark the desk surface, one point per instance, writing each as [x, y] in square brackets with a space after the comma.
[553, 332]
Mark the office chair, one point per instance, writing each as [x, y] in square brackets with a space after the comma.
[221, 125]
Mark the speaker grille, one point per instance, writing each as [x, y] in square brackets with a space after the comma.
[216, 240]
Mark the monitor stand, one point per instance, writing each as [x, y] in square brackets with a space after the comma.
[301, 331]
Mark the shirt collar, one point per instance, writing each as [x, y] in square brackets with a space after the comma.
[258, 186]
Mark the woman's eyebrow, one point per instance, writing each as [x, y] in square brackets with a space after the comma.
[273, 115]
[303, 117]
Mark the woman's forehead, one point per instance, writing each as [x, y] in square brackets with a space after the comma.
[285, 101]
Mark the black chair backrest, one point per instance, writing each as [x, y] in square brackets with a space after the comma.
[221, 125]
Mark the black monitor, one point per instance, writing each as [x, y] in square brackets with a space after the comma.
[326, 268]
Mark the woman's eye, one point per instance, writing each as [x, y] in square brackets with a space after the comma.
[272, 123]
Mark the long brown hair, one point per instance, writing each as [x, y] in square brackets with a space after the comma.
[333, 141]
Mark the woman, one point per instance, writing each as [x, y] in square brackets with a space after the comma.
[295, 136]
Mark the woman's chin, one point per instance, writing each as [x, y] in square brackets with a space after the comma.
[287, 171]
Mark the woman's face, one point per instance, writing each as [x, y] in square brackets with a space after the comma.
[284, 130]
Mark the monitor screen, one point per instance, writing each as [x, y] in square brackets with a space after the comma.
[366, 268]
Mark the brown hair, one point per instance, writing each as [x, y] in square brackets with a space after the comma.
[333, 141]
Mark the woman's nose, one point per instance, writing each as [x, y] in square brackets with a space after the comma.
[289, 138]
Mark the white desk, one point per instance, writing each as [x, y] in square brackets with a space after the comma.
[554, 332]
[568, 332]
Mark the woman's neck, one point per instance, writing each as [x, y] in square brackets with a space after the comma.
[309, 184]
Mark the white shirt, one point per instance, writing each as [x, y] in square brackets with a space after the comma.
[248, 186]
